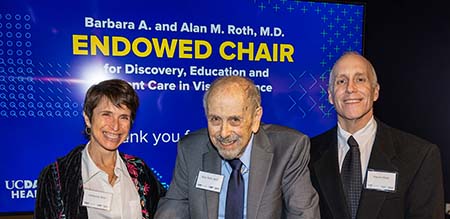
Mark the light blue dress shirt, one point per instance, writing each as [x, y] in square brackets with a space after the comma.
[226, 171]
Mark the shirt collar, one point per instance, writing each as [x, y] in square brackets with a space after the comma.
[245, 158]
[360, 135]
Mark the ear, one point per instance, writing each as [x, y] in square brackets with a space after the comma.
[257, 119]
[376, 92]
[86, 120]
[330, 97]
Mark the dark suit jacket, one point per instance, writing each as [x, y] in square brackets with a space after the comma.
[419, 192]
[279, 181]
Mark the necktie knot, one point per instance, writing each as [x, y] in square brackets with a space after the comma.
[352, 142]
[235, 164]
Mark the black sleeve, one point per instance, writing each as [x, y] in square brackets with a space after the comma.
[46, 206]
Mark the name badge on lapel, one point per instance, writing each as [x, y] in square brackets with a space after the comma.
[209, 181]
[381, 180]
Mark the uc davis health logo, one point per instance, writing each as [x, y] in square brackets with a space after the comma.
[21, 188]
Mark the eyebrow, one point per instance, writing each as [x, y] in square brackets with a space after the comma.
[345, 75]
[105, 111]
[235, 117]
[228, 117]
[361, 73]
[109, 111]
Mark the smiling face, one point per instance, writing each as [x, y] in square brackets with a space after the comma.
[232, 118]
[352, 91]
[109, 125]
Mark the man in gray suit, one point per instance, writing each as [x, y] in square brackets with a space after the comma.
[273, 162]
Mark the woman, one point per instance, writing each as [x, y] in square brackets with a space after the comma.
[95, 180]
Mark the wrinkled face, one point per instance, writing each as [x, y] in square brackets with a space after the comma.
[109, 125]
[232, 119]
[354, 90]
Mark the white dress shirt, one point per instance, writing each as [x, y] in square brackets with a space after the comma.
[365, 138]
[125, 202]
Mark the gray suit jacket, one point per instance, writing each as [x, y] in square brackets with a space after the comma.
[279, 182]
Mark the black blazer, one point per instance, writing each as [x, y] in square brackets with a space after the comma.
[419, 192]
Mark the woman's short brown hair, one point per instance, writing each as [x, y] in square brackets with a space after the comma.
[118, 91]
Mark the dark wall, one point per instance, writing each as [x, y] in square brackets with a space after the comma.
[408, 43]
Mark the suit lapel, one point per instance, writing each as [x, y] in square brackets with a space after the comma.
[329, 179]
[380, 159]
[260, 163]
[211, 164]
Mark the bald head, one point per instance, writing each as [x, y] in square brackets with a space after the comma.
[230, 85]
[352, 55]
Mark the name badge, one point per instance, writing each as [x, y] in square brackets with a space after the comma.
[209, 181]
[96, 199]
[381, 180]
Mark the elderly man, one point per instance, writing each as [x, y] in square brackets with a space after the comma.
[239, 168]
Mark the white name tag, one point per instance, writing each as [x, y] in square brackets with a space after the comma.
[209, 181]
[96, 199]
[381, 180]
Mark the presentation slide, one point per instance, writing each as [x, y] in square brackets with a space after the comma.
[52, 51]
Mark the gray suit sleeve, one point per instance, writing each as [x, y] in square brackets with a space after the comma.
[300, 198]
[176, 204]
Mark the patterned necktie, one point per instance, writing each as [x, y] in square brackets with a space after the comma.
[351, 176]
[235, 195]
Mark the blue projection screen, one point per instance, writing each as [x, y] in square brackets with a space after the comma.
[170, 51]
